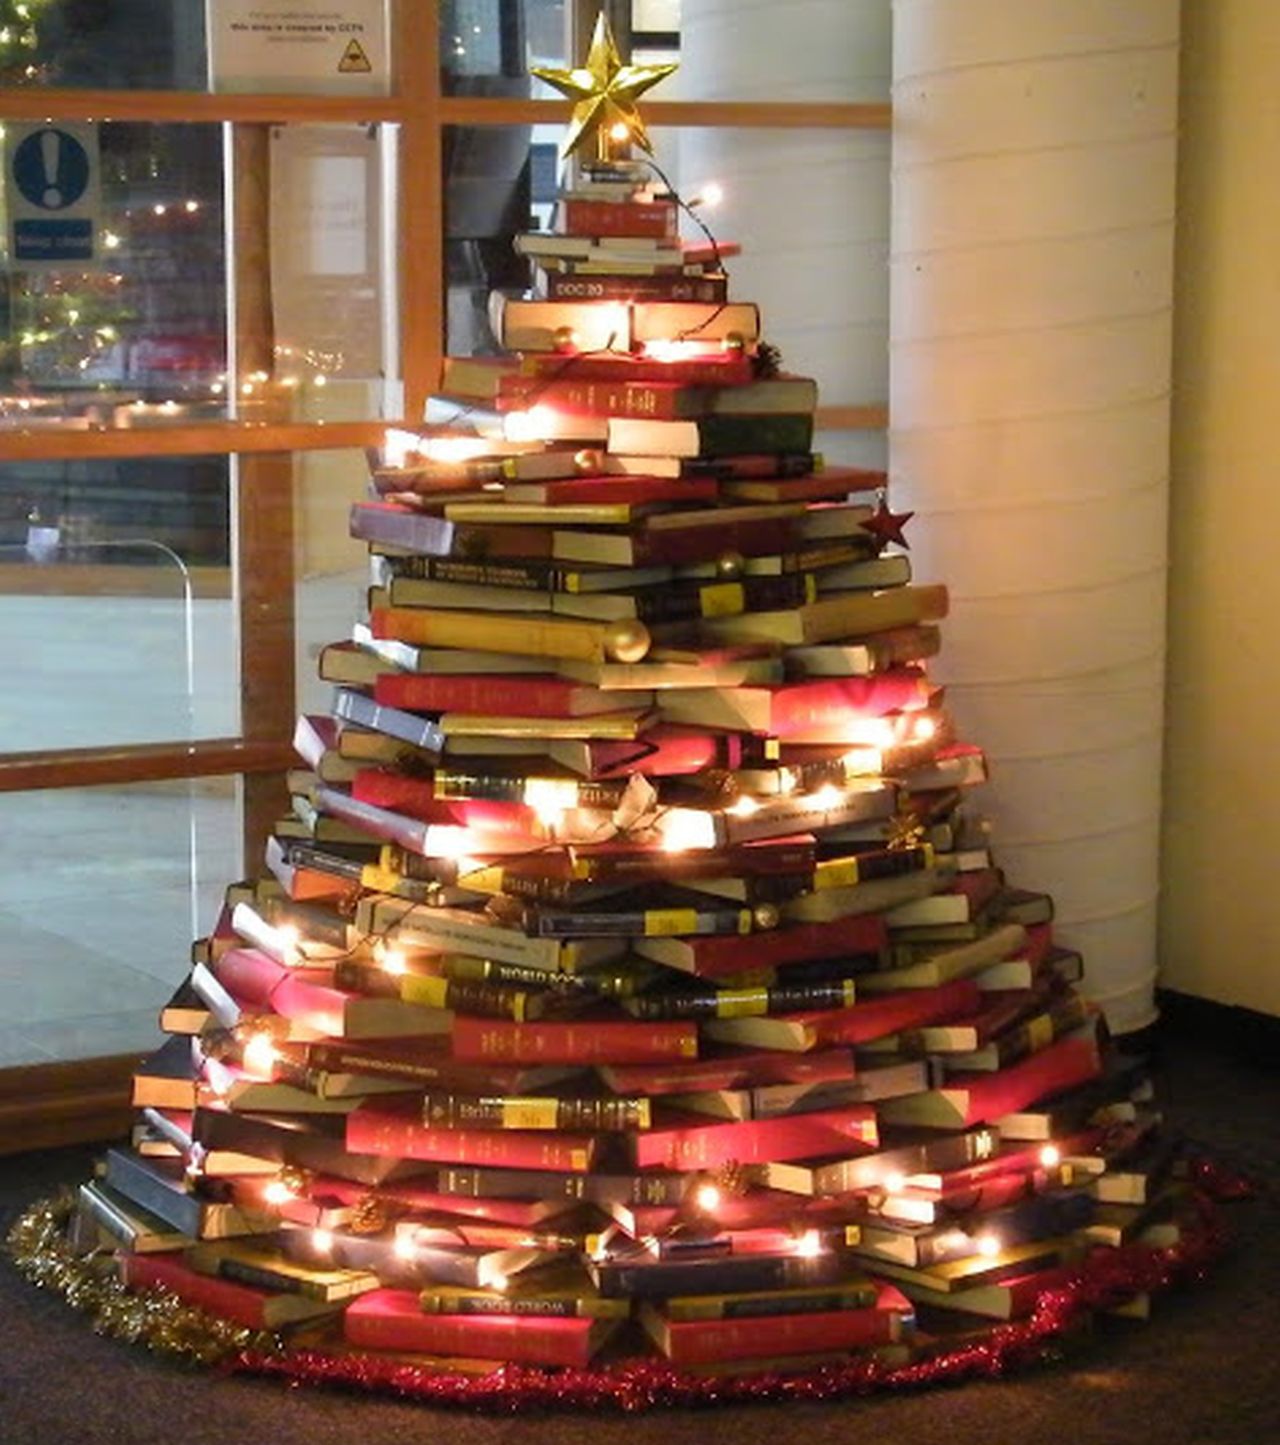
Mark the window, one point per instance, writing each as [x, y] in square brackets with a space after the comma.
[183, 419]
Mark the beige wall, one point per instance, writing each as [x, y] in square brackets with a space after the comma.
[1220, 919]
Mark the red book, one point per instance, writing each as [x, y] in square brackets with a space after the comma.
[418, 1199]
[697, 1342]
[728, 370]
[393, 1320]
[822, 711]
[582, 1041]
[978, 1098]
[859, 1024]
[415, 796]
[722, 957]
[313, 736]
[594, 216]
[242, 1304]
[754, 1141]
[371, 1130]
[520, 695]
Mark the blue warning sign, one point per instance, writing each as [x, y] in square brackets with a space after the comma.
[52, 185]
[51, 169]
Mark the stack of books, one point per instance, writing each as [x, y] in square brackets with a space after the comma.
[630, 974]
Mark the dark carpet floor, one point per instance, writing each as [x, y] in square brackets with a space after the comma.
[1206, 1368]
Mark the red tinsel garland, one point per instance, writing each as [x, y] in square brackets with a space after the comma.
[1106, 1279]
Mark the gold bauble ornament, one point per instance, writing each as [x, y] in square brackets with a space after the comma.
[564, 338]
[589, 461]
[626, 641]
[735, 341]
[766, 915]
[729, 566]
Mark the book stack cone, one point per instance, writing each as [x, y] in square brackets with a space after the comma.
[631, 976]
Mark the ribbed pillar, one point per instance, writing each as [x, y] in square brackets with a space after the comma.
[810, 207]
[1031, 290]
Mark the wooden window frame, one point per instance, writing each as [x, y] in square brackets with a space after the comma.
[82, 1100]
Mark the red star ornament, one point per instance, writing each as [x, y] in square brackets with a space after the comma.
[886, 526]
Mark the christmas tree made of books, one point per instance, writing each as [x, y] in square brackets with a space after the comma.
[630, 979]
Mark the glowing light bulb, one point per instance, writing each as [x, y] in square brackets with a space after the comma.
[191, 207]
[711, 194]
[686, 828]
[397, 445]
[707, 1197]
[1050, 1156]
[987, 1245]
[744, 807]
[322, 1241]
[499, 1281]
[827, 797]
[454, 448]
[528, 426]
[550, 798]
[895, 1182]
[446, 840]
[259, 1055]
[393, 960]
[923, 729]
[809, 1245]
[619, 131]
[110, 241]
[277, 1192]
[159, 208]
[404, 1247]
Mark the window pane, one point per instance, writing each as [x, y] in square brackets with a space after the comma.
[116, 618]
[101, 892]
[148, 44]
[138, 336]
[333, 568]
[487, 47]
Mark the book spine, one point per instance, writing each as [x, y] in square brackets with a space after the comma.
[781, 1335]
[594, 1188]
[591, 216]
[727, 371]
[355, 707]
[460, 1111]
[534, 636]
[400, 527]
[476, 694]
[241, 1304]
[371, 1131]
[484, 1000]
[793, 1136]
[656, 1278]
[742, 1002]
[642, 923]
[709, 289]
[538, 1340]
[573, 1043]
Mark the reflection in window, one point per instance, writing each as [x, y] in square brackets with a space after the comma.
[150, 44]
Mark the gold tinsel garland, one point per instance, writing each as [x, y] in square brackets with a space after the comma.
[39, 1245]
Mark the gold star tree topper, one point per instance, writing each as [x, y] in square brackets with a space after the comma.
[605, 92]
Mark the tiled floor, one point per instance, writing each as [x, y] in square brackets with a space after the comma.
[103, 889]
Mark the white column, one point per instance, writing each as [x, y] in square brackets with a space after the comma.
[1031, 295]
[810, 207]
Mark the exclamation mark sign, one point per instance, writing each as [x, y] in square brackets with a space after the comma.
[51, 156]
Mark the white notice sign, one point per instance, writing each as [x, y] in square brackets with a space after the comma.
[338, 48]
